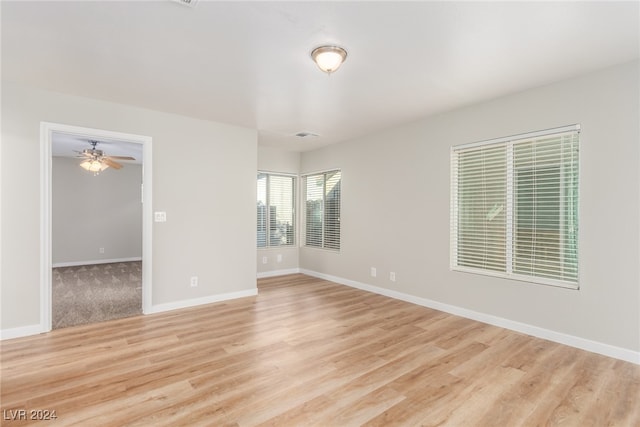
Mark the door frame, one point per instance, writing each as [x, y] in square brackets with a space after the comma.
[47, 130]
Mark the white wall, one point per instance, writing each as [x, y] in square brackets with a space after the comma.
[277, 160]
[395, 209]
[204, 177]
[90, 212]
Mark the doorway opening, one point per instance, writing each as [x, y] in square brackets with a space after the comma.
[96, 233]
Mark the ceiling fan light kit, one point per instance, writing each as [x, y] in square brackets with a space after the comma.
[95, 166]
[96, 161]
[329, 58]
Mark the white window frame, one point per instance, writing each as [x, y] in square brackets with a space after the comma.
[294, 207]
[303, 210]
[509, 209]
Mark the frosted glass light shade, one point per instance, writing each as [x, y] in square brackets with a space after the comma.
[329, 58]
[93, 165]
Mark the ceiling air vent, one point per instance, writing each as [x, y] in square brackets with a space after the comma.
[306, 135]
[189, 3]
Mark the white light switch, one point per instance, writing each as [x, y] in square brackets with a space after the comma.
[160, 216]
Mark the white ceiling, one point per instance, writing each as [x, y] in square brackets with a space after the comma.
[248, 63]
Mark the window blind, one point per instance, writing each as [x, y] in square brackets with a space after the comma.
[514, 207]
[322, 209]
[480, 216]
[262, 210]
[276, 210]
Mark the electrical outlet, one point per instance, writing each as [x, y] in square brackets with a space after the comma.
[264, 259]
[101, 250]
[194, 281]
[374, 273]
[392, 276]
[279, 258]
[160, 216]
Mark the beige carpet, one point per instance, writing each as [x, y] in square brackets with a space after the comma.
[95, 293]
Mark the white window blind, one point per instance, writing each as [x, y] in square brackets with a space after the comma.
[514, 207]
[322, 210]
[275, 208]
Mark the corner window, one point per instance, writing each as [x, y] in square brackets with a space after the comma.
[514, 207]
[322, 210]
[276, 210]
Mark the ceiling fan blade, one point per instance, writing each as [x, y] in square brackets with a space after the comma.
[111, 163]
[122, 157]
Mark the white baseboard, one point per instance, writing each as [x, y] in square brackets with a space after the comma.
[98, 261]
[275, 273]
[159, 308]
[559, 337]
[23, 331]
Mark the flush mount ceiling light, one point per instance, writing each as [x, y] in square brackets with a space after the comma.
[329, 58]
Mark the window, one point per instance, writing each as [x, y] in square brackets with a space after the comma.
[276, 213]
[322, 210]
[514, 207]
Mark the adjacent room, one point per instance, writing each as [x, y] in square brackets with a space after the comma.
[96, 229]
[320, 213]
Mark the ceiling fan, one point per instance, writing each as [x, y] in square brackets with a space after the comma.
[96, 160]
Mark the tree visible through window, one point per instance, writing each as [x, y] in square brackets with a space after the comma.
[276, 212]
[514, 207]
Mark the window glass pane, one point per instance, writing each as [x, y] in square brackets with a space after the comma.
[281, 213]
[314, 212]
[322, 210]
[481, 208]
[569, 207]
[332, 210]
[537, 221]
[276, 212]
[262, 210]
[545, 208]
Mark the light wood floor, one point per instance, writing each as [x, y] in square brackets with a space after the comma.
[310, 352]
